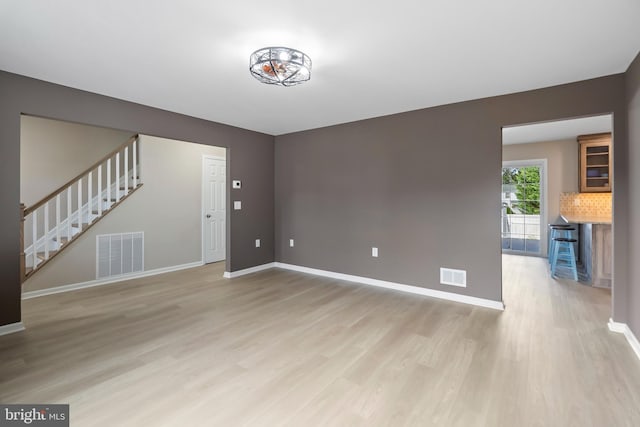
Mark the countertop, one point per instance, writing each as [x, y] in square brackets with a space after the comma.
[586, 219]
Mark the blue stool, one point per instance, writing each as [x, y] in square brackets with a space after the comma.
[558, 230]
[563, 252]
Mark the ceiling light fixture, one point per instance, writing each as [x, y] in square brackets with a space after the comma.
[280, 66]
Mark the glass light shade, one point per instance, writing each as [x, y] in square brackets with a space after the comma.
[280, 66]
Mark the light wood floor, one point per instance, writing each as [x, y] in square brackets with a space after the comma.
[283, 348]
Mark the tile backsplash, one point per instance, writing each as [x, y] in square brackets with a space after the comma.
[589, 204]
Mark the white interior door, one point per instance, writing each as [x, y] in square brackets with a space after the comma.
[214, 172]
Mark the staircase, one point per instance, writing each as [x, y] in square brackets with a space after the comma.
[52, 224]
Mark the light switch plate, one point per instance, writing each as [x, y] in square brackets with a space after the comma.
[374, 252]
[237, 205]
[290, 243]
[257, 243]
[236, 183]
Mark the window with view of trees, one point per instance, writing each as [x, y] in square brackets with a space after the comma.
[521, 203]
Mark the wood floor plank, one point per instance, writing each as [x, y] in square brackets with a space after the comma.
[285, 348]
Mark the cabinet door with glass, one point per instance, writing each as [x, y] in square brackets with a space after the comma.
[596, 171]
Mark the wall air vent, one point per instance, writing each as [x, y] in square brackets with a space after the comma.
[449, 276]
[119, 254]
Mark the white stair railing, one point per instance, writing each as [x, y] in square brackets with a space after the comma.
[50, 225]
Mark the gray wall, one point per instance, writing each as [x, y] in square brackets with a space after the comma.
[562, 170]
[403, 196]
[424, 187]
[52, 152]
[167, 208]
[633, 105]
[250, 158]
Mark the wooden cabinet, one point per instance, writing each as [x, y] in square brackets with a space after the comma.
[596, 254]
[596, 169]
[603, 256]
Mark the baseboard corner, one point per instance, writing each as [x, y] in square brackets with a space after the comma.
[623, 328]
[616, 326]
[243, 272]
[11, 328]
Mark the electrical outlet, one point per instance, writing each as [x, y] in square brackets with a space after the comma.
[290, 243]
[374, 252]
[237, 205]
[576, 202]
[257, 243]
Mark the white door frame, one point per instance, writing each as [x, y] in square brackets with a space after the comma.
[542, 164]
[206, 157]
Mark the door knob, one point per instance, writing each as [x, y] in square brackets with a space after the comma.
[208, 215]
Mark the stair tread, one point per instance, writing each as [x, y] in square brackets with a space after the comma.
[122, 189]
[41, 255]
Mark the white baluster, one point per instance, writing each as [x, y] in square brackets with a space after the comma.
[135, 163]
[46, 231]
[126, 170]
[100, 190]
[69, 210]
[34, 246]
[90, 198]
[79, 204]
[117, 177]
[58, 241]
[109, 183]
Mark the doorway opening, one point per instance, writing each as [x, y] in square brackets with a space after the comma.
[166, 208]
[556, 151]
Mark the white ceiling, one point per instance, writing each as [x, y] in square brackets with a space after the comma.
[557, 130]
[370, 57]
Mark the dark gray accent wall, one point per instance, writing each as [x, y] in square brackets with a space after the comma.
[633, 109]
[424, 187]
[250, 158]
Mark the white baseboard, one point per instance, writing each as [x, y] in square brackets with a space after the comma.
[449, 296]
[11, 328]
[232, 274]
[616, 326]
[100, 282]
[623, 328]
